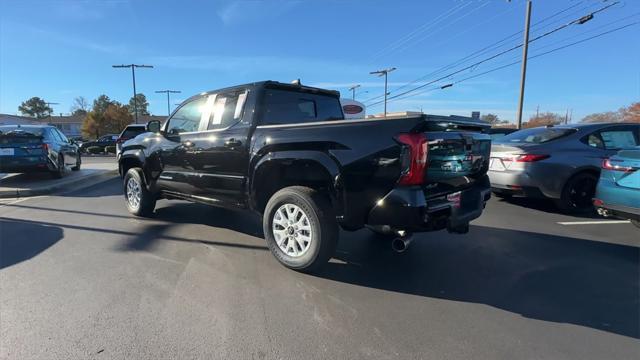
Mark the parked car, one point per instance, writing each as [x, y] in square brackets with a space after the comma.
[618, 191]
[285, 151]
[497, 133]
[103, 141]
[129, 132]
[557, 162]
[37, 148]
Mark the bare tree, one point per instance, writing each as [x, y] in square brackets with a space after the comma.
[80, 106]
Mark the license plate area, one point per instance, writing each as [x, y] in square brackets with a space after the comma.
[7, 151]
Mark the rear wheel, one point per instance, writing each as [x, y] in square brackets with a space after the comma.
[300, 228]
[577, 194]
[139, 200]
[60, 170]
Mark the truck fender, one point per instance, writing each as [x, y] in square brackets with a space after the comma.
[271, 173]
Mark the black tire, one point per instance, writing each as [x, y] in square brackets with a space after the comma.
[78, 162]
[60, 170]
[577, 194]
[636, 223]
[322, 223]
[146, 202]
[503, 195]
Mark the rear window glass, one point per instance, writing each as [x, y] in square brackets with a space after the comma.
[14, 134]
[132, 132]
[535, 135]
[291, 107]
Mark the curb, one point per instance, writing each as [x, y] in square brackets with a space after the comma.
[86, 181]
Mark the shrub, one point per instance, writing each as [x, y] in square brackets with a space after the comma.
[111, 149]
[95, 149]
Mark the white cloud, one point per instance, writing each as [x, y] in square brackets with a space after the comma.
[240, 11]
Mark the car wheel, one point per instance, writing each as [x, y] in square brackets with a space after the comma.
[577, 194]
[139, 200]
[636, 223]
[78, 163]
[60, 170]
[300, 228]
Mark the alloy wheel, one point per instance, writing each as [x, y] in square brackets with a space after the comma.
[134, 193]
[292, 230]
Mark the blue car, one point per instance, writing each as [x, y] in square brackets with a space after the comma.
[37, 148]
[618, 191]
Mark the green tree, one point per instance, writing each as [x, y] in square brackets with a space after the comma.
[101, 103]
[116, 118]
[490, 118]
[80, 106]
[35, 107]
[141, 103]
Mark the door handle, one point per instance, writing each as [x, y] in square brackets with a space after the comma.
[232, 143]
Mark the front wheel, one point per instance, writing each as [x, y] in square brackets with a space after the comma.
[300, 228]
[78, 163]
[139, 200]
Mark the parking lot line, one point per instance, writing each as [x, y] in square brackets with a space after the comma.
[595, 222]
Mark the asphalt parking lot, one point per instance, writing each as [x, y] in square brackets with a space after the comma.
[80, 278]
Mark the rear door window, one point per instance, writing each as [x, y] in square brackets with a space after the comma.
[619, 138]
[291, 107]
[227, 109]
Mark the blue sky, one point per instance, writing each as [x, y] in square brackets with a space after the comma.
[60, 49]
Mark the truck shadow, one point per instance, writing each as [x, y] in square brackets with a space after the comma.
[20, 241]
[544, 277]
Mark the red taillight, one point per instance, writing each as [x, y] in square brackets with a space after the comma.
[529, 157]
[608, 164]
[418, 148]
[598, 202]
[45, 147]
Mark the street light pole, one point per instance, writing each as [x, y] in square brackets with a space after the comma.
[168, 100]
[133, 75]
[384, 72]
[525, 50]
[353, 91]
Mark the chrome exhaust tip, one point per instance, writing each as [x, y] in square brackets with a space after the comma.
[401, 244]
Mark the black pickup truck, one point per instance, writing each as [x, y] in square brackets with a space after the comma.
[285, 151]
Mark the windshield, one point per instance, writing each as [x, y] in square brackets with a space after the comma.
[535, 136]
[132, 132]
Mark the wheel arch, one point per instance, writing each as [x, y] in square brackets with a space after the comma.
[312, 169]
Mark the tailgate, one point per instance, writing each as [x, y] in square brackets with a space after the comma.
[456, 160]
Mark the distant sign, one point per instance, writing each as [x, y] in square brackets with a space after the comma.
[352, 109]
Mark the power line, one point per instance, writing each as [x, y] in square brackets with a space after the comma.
[424, 27]
[580, 20]
[398, 97]
[490, 47]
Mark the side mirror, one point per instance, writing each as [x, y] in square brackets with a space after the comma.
[153, 126]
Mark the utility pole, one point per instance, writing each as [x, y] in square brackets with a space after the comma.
[353, 91]
[49, 106]
[385, 73]
[537, 111]
[525, 50]
[133, 75]
[168, 100]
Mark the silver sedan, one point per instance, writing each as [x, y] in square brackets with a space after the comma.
[557, 162]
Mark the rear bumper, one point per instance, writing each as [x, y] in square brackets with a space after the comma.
[407, 208]
[25, 164]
